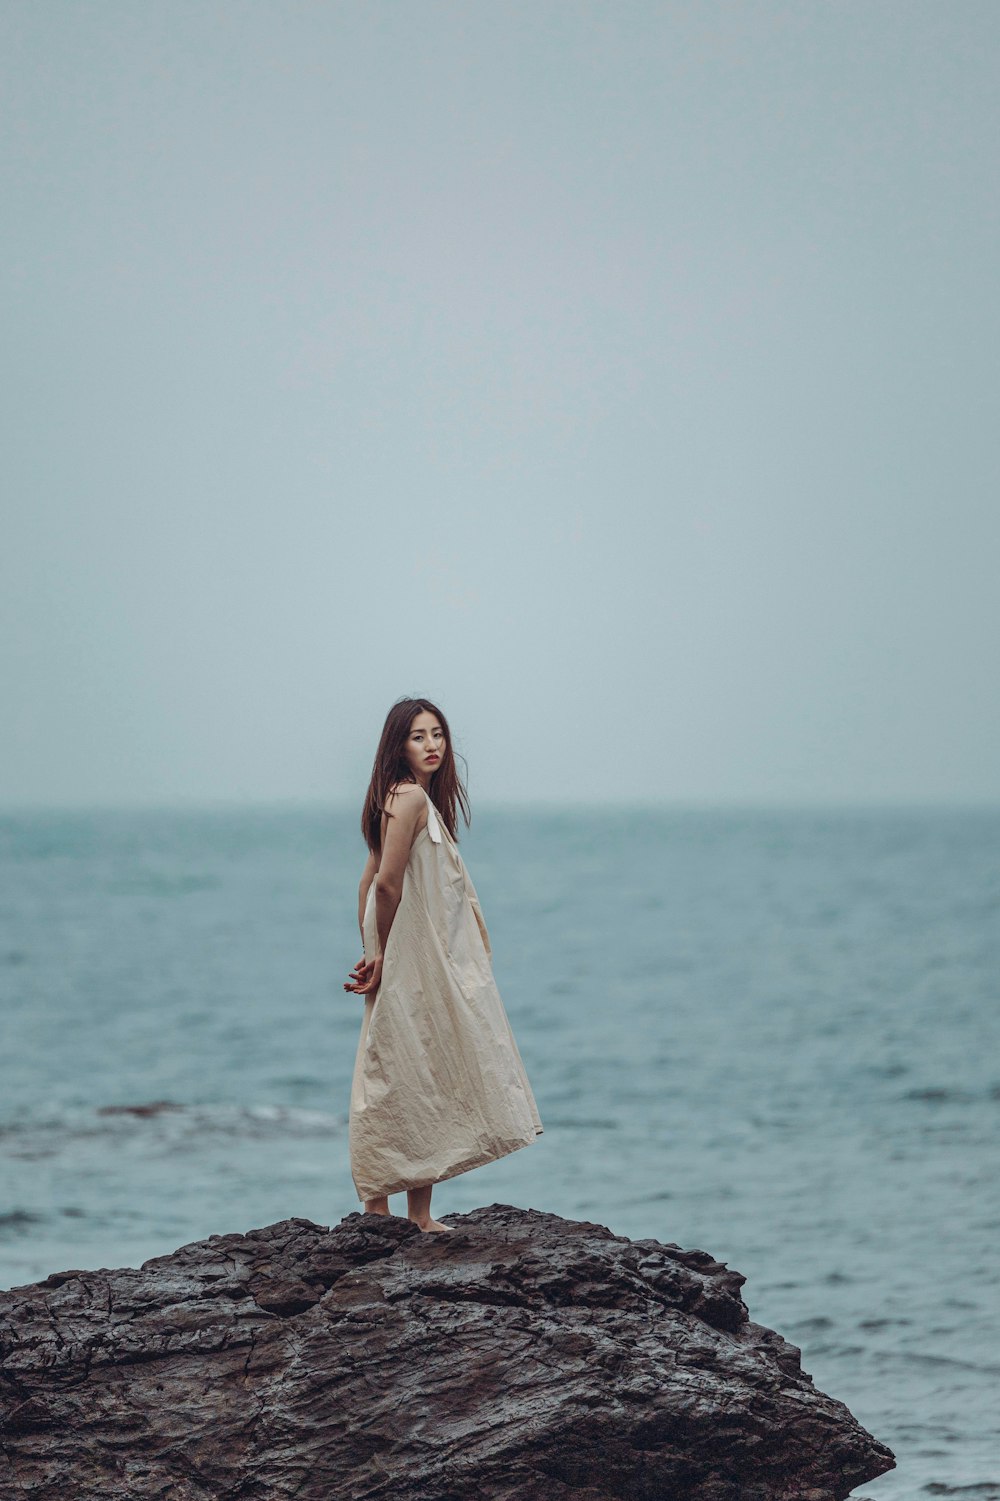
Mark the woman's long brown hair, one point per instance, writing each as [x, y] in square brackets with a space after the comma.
[447, 790]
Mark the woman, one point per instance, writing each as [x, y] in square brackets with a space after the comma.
[439, 1086]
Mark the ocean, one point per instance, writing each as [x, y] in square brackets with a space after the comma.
[771, 1035]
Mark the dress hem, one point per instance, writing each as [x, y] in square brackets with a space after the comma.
[455, 1172]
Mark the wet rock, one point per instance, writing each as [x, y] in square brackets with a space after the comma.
[522, 1357]
[154, 1107]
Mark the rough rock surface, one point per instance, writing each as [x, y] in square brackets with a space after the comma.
[523, 1357]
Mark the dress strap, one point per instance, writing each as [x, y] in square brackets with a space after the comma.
[433, 827]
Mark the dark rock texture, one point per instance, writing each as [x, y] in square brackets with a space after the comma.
[522, 1357]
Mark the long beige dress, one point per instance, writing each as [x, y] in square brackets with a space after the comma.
[438, 1086]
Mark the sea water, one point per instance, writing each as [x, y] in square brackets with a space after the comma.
[771, 1035]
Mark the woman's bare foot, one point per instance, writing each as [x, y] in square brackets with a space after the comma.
[428, 1224]
[378, 1206]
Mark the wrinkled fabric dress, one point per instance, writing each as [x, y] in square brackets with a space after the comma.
[438, 1086]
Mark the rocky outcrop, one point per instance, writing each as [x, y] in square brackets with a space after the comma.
[522, 1357]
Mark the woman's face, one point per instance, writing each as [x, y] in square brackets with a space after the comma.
[425, 745]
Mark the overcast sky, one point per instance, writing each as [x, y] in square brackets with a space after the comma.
[623, 376]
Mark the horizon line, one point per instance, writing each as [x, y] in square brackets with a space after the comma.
[677, 805]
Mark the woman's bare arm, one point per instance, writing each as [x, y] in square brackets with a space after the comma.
[404, 808]
[367, 877]
[405, 817]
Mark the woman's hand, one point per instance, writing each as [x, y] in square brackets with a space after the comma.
[365, 976]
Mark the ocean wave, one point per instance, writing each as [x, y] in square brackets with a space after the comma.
[921, 1358]
[18, 1221]
[949, 1094]
[982, 1490]
[165, 1121]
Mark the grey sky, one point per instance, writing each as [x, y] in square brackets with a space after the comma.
[622, 375]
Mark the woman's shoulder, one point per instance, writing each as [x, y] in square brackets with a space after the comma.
[405, 801]
[402, 790]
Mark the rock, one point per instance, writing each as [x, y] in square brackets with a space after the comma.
[522, 1357]
[154, 1107]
